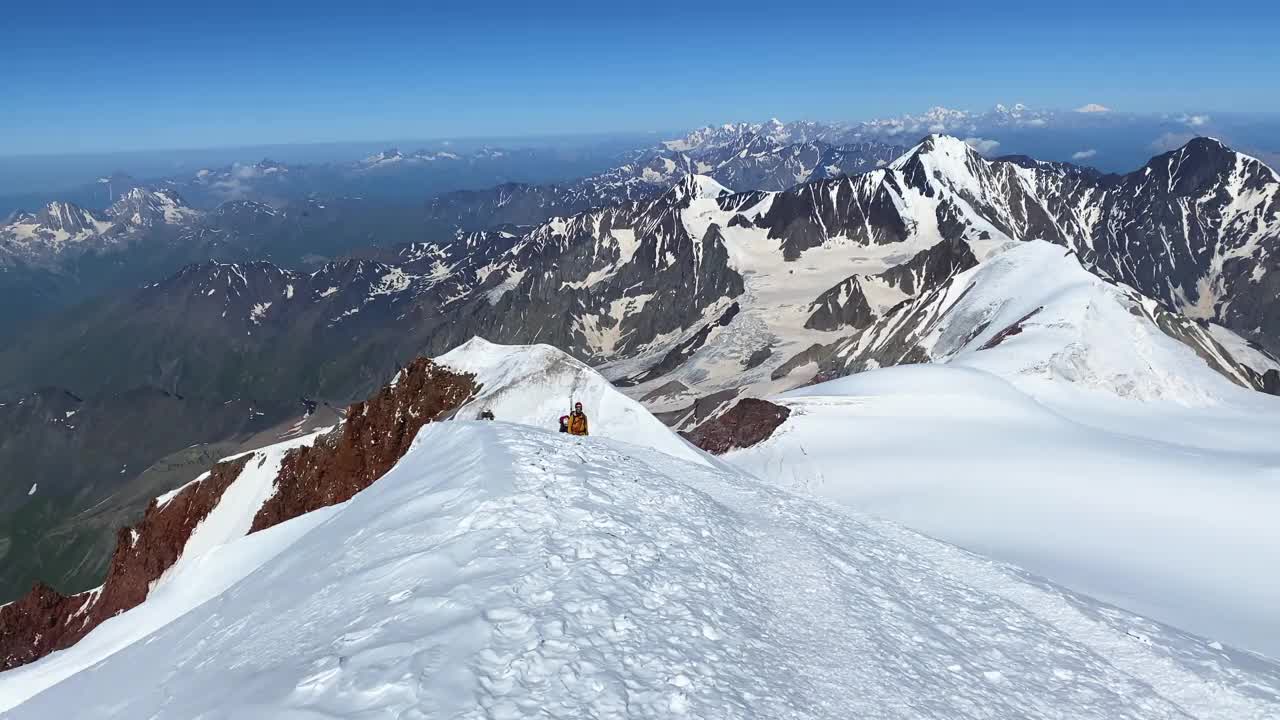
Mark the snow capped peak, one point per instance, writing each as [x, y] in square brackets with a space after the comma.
[1093, 108]
[945, 145]
[144, 207]
[390, 155]
[699, 187]
[948, 151]
[536, 384]
[67, 217]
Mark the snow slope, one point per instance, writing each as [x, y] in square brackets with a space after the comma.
[524, 384]
[500, 571]
[536, 384]
[206, 568]
[1164, 509]
[1032, 314]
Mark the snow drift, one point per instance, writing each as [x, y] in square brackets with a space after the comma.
[1160, 508]
[502, 571]
[1064, 423]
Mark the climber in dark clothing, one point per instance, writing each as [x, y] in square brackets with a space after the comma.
[564, 423]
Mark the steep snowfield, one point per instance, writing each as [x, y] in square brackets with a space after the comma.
[206, 568]
[1164, 509]
[1060, 428]
[524, 384]
[500, 571]
[536, 384]
[1032, 314]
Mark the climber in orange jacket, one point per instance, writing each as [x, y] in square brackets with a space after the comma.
[577, 421]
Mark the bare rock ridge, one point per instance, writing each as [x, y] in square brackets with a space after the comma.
[45, 621]
[376, 434]
[749, 422]
[348, 459]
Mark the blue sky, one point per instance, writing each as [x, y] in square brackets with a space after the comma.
[143, 75]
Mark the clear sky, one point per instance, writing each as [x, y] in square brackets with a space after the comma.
[101, 76]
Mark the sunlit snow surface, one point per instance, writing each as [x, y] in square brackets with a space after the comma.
[501, 571]
[1164, 509]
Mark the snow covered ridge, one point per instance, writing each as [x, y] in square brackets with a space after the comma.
[266, 487]
[1032, 313]
[1156, 506]
[256, 491]
[503, 571]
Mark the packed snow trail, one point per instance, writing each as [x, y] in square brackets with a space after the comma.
[500, 571]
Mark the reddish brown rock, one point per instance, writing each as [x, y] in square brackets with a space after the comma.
[376, 434]
[749, 422]
[37, 624]
[44, 620]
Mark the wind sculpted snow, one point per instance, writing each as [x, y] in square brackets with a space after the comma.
[501, 571]
[1161, 508]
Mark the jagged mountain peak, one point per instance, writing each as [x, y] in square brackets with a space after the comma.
[939, 144]
[1204, 164]
[150, 206]
[237, 272]
[697, 187]
[68, 217]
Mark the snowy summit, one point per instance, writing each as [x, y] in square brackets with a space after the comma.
[501, 569]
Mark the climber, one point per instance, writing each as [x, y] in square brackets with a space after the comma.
[564, 423]
[577, 420]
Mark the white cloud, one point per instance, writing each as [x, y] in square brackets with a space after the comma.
[1084, 154]
[1196, 120]
[1093, 108]
[982, 145]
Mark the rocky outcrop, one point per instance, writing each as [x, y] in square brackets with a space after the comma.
[844, 305]
[749, 422]
[375, 435]
[1271, 382]
[1010, 331]
[38, 624]
[45, 621]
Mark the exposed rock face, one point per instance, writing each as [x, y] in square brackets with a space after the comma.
[1271, 382]
[682, 352]
[376, 434]
[1010, 331]
[749, 422]
[38, 624]
[843, 305]
[45, 621]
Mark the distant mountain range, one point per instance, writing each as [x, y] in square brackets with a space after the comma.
[750, 157]
[684, 291]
